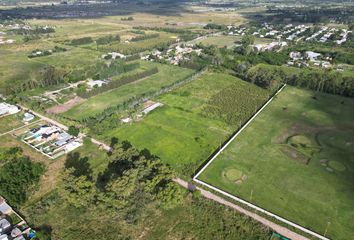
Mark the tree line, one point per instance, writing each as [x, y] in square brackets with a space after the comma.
[145, 37]
[333, 82]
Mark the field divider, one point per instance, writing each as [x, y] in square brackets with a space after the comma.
[195, 178]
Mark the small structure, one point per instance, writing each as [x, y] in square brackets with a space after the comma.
[126, 120]
[28, 117]
[152, 107]
[312, 56]
[4, 207]
[5, 226]
[7, 109]
[92, 83]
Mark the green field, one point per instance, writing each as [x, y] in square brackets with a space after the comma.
[297, 159]
[219, 41]
[10, 122]
[94, 105]
[183, 133]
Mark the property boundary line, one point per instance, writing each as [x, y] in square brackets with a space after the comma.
[195, 178]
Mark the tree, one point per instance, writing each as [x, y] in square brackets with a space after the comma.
[18, 177]
[77, 191]
[170, 196]
[74, 131]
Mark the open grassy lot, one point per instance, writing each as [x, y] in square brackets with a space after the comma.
[139, 46]
[167, 74]
[296, 160]
[7, 123]
[15, 66]
[219, 41]
[74, 58]
[181, 133]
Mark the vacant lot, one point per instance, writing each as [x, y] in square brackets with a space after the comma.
[7, 123]
[94, 105]
[184, 132]
[296, 160]
[219, 41]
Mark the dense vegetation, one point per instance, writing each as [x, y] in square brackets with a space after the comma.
[108, 39]
[134, 193]
[236, 104]
[18, 175]
[269, 76]
[81, 41]
[144, 37]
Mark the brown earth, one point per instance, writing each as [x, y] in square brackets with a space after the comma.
[61, 108]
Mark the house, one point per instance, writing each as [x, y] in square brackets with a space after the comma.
[152, 107]
[92, 83]
[72, 146]
[8, 109]
[63, 139]
[4, 237]
[295, 55]
[258, 47]
[28, 117]
[5, 226]
[312, 56]
[126, 120]
[4, 207]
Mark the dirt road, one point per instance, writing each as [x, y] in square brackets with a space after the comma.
[275, 227]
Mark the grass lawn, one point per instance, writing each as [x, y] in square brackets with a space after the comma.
[220, 41]
[180, 132]
[297, 159]
[10, 122]
[94, 105]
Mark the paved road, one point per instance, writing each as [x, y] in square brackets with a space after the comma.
[275, 227]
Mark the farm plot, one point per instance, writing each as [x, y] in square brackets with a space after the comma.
[180, 132]
[94, 105]
[295, 160]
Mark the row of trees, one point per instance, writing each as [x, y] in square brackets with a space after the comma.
[81, 41]
[118, 83]
[268, 76]
[108, 39]
[145, 37]
[46, 76]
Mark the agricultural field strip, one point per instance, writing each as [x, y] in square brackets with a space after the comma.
[195, 178]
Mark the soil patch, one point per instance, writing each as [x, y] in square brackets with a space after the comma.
[61, 108]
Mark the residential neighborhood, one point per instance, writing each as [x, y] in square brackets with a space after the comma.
[12, 225]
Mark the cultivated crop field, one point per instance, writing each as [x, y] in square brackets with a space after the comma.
[295, 160]
[185, 131]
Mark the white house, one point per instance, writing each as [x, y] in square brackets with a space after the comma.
[8, 109]
[312, 56]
